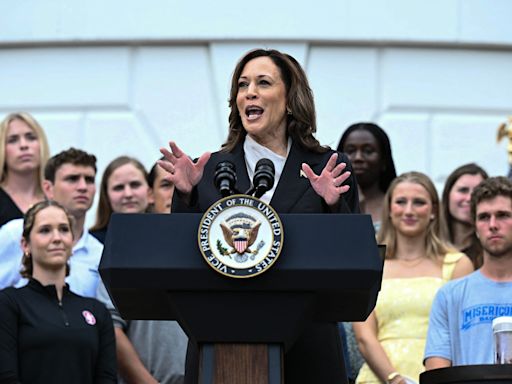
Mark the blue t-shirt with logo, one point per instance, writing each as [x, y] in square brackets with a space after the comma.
[460, 327]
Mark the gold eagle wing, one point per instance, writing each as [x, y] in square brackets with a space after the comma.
[228, 234]
[254, 233]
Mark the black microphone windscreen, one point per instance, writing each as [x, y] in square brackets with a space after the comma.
[225, 177]
[266, 162]
[264, 174]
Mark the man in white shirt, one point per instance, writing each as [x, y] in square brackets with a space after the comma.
[69, 180]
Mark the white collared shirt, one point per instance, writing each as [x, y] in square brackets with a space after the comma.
[83, 277]
[255, 152]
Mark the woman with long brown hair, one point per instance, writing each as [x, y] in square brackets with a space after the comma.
[457, 227]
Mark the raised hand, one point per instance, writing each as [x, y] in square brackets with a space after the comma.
[328, 184]
[182, 171]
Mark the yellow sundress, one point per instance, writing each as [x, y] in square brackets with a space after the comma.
[402, 312]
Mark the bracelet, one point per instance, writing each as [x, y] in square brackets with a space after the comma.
[391, 377]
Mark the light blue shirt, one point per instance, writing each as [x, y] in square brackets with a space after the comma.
[83, 277]
[460, 327]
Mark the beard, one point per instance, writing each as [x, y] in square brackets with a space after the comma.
[498, 251]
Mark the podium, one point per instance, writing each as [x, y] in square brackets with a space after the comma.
[469, 374]
[329, 270]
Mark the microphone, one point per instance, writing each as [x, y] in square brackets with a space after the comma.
[263, 179]
[225, 178]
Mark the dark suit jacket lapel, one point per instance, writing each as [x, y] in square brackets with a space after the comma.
[291, 185]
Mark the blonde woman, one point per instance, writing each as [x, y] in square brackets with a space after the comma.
[23, 155]
[417, 264]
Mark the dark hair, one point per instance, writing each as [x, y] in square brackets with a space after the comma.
[104, 210]
[489, 189]
[466, 169]
[152, 173]
[70, 156]
[388, 172]
[301, 122]
[28, 224]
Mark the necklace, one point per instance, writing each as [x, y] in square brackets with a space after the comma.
[412, 262]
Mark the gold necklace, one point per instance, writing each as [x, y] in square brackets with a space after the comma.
[411, 263]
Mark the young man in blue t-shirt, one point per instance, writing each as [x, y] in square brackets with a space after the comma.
[460, 328]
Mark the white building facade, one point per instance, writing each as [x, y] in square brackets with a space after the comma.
[124, 77]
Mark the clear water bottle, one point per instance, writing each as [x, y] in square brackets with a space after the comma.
[502, 330]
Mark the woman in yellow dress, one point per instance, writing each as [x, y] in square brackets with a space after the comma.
[417, 264]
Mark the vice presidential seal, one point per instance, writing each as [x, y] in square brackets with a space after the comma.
[240, 236]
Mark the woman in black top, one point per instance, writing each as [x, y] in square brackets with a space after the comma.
[48, 334]
[23, 155]
[273, 116]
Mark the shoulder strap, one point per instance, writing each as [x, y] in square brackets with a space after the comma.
[449, 263]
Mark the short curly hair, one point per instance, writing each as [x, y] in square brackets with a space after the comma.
[70, 156]
[489, 189]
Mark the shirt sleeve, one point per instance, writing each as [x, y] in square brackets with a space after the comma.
[438, 335]
[180, 206]
[8, 339]
[106, 366]
[103, 296]
[10, 253]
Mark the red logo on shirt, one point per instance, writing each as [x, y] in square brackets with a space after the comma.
[89, 317]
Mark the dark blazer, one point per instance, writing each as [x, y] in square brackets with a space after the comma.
[317, 356]
[293, 194]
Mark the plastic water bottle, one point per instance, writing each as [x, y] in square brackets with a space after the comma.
[502, 330]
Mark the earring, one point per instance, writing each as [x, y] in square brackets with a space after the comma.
[288, 111]
[432, 217]
[27, 254]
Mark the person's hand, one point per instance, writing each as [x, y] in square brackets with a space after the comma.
[328, 184]
[182, 171]
[398, 380]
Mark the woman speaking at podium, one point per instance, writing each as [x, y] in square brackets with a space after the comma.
[273, 116]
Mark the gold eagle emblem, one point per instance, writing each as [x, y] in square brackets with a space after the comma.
[240, 232]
